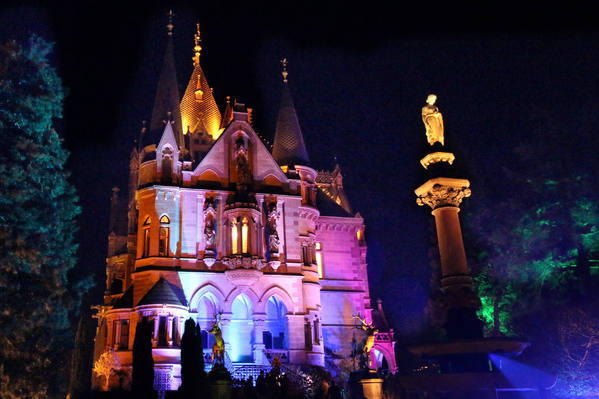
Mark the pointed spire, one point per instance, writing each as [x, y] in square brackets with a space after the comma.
[289, 148]
[166, 102]
[199, 112]
[197, 49]
[227, 114]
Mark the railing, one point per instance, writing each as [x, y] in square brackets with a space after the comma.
[246, 371]
[283, 355]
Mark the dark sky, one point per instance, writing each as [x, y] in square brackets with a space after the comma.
[358, 77]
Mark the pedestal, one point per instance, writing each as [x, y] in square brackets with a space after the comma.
[372, 387]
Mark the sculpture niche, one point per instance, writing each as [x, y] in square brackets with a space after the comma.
[244, 173]
[433, 121]
[366, 360]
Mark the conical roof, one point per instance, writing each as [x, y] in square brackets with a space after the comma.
[289, 148]
[164, 293]
[167, 99]
[199, 112]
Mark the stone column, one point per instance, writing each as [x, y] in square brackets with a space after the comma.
[169, 330]
[444, 196]
[258, 347]
[156, 321]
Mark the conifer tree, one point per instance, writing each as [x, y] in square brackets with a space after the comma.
[192, 361]
[38, 210]
[142, 382]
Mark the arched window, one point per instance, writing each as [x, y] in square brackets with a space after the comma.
[244, 236]
[240, 330]
[146, 237]
[234, 237]
[276, 323]
[164, 236]
[319, 262]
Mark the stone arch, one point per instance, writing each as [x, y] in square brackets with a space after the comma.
[251, 296]
[239, 329]
[387, 352]
[203, 290]
[281, 294]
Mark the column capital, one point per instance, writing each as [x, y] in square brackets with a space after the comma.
[443, 191]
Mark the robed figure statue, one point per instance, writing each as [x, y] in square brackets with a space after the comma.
[433, 121]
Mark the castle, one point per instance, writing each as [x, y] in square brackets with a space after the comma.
[217, 226]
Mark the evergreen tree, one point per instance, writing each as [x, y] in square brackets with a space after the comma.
[38, 208]
[142, 382]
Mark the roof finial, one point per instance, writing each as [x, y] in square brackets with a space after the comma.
[169, 26]
[284, 63]
[197, 48]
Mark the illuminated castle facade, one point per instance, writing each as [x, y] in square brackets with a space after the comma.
[217, 225]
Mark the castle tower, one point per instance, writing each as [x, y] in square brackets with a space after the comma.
[221, 228]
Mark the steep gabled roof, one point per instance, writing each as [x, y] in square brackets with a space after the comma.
[167, 99]
[289, 148]
[164, 293]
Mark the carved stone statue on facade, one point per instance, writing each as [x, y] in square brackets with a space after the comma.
[244, 175]
[273, 234]
[433, 121]
[209, 233]
[371, 332]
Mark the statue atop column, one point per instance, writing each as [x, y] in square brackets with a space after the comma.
[433, 121]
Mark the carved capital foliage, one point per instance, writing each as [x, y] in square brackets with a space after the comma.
[442, 195]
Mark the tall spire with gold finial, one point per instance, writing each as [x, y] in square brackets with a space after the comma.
[288, 148]
[166, 102]
[199, 112]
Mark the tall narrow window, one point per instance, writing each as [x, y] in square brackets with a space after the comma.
[308, 335]
[146, 237]
[234, 237]
[162, 331]
[163, 241]
[163, 236]
[317, 332]
[319, 266]
[244, 236]
[175, 331]
[124, 338]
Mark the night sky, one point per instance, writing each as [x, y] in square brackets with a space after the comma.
[358, 78]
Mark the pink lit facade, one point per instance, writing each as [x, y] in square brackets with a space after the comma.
[214, 224]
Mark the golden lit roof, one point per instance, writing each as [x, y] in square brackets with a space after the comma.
[199, 112]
